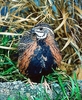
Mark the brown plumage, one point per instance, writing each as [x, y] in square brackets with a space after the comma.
[38, 52]
[54, 49]
[26, 57]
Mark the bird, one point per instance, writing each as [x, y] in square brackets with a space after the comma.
[38, 52]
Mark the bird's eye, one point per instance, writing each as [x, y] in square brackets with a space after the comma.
[41, 28]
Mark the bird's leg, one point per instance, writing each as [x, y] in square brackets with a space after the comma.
[30, 82]
[46, 85]
[48, 89]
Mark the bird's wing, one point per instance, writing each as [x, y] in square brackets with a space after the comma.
[26, 49]
[54, 49]
[23, 43]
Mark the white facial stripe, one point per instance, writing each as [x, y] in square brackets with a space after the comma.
[42, 37]
[49, 30]
[39, 34]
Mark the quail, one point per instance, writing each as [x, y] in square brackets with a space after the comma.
[38, 52]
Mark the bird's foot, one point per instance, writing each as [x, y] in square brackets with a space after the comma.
[31, 83]
[46, 85]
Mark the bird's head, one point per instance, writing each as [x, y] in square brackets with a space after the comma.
[41, 30]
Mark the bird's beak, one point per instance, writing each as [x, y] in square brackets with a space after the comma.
[33, 30]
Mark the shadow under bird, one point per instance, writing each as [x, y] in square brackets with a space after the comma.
[38, 52]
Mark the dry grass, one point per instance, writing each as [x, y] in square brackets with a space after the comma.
[64, 16]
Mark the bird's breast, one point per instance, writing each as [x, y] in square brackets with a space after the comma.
[42, 60]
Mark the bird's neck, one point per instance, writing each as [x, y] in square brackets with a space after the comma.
[41, 42]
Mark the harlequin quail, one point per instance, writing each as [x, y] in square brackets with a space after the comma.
[38, 52]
